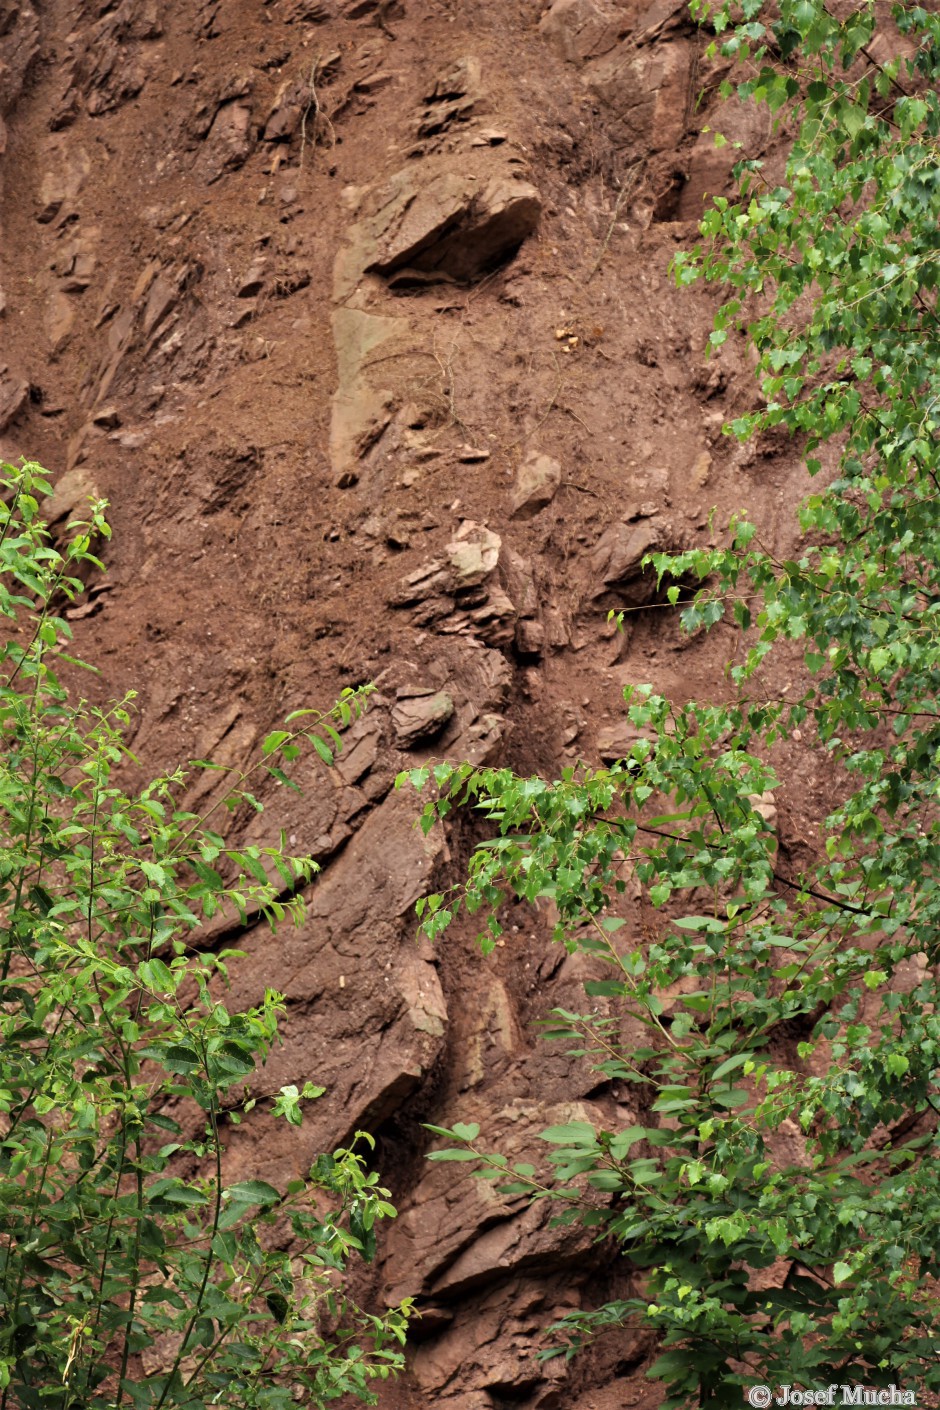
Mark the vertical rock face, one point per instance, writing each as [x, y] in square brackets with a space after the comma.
[359, 315]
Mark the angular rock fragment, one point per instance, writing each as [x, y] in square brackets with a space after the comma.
[364, 998]
[449, 227]
[231, 138]
[530, 638]
[537, 483]
[428, 581]
[472, 555]
[360, 749]
[19, 47]
[361, 409]
[452, 98]
[582, 29]
[70, 495]
[617, 558]
[616, 741]
[310, 12]
[494, 621]
[442, 1241]
[14, 394]
[420, 715]
[646, 91]
[494, 1346]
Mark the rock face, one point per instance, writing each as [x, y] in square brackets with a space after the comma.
[647, 93]
[358, 313]
[582, 29]
[371, 1002]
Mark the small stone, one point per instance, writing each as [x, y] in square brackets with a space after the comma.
[374, 81]
[71, 493]
[536, 485]
[530, 638]
[52, 194]
[617, 557]
[253, 281]
[108, 417]
[471, 455]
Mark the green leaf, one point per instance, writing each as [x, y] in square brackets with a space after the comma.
[251, 1192]
[575, 1133]
[465, 1131]
[322, 748]
[274, 741]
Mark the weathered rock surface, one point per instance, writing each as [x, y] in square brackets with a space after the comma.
[617, 740]
[438, 222]
[312, 491]
[457, 1236]
[647, 92]
[496, 1349]
[617, 559]
[446, 226]
[362, 406]
[582, 29]
[360, 989]
[420, 715]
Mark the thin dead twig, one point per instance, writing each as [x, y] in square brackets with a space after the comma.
[626, 190]
[314, 106]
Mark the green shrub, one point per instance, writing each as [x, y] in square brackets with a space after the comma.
[123, 1247]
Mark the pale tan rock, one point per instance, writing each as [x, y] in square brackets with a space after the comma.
[362, 407]
[765, 805]
[70, 495]
[701, 469]
[617, 740]
[472, 555]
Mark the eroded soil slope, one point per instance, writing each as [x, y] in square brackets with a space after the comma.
[358, 312]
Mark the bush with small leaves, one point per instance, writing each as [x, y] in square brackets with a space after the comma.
[783, 1195]
[133, 1273]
